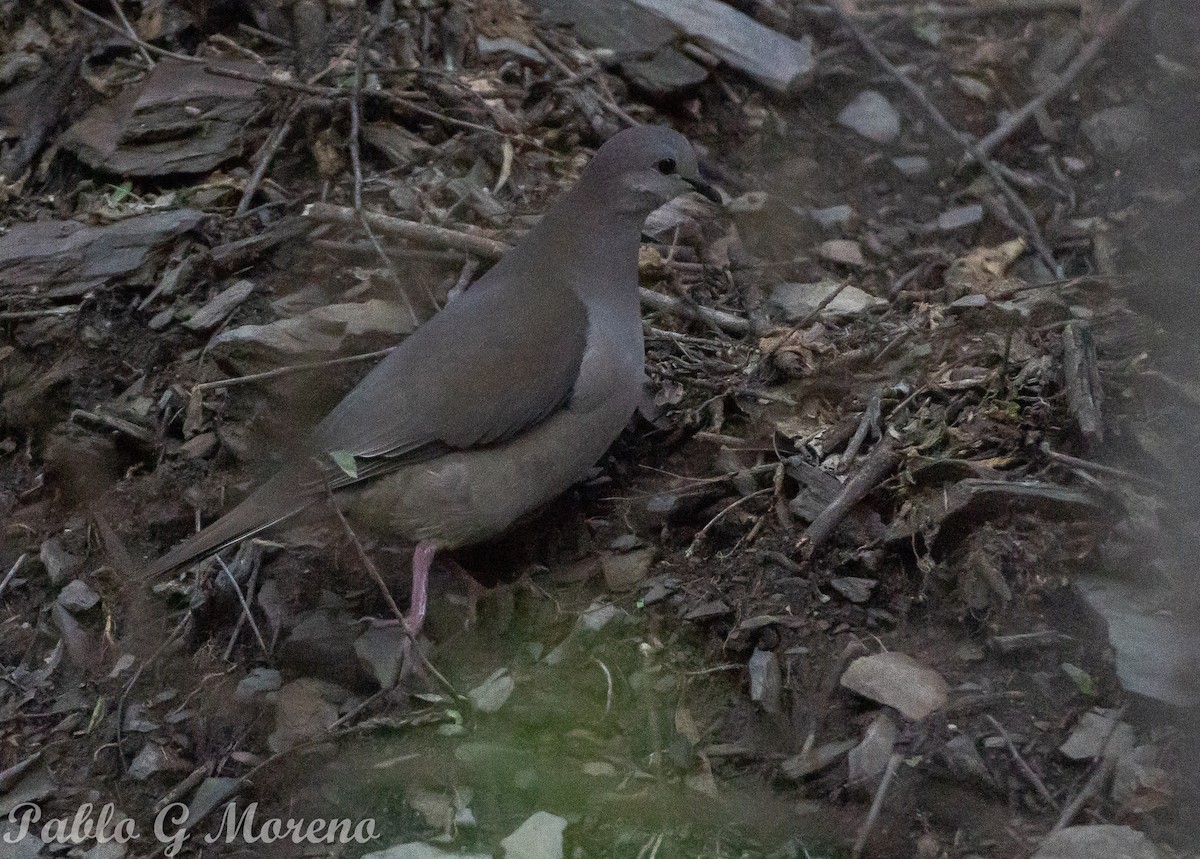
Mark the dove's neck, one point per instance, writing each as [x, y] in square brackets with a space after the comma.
[589, 242]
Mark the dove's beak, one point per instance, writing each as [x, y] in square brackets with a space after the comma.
[703, 188]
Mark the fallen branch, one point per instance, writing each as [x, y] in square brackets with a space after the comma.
[1033, 231]
[881, 462]
[1083, 59]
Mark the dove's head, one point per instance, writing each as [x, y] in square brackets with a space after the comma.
[644, 167]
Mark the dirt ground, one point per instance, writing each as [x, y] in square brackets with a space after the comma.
[899, 563]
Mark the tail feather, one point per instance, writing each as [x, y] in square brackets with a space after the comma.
[276, 500]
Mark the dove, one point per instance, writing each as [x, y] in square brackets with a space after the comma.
[506, 397]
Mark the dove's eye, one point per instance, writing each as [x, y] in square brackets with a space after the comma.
[666, 166]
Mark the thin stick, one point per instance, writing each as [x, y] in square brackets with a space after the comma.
[266, 155]
[131, 32]
[1025, 769]
[1099, 468]
[291, 368]
[1082, 60]
[356, 103]
[65, 310]
[1104, 768]
[876, 804]
[20, 562]
[703, 532]
[245, 609]
[881, 462]
[143, 45]
[1034, 233]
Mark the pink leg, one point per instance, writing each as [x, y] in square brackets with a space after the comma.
[422, 560]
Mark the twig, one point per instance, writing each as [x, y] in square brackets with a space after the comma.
[1034, 233]
[821, 305]
[129, 31]
[1026, 770]
[864, 831]
[356, 102]
[492, 249]
[65, 310]
[1086, 55]
[1099, 468]
[265, 156]
[245, 609]
[143, 45]
[292, 368]
[703, 532]
[20, 562]
[949, 12]
[1104, 768]
[881, 462]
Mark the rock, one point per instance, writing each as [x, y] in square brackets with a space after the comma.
[259, 684]
[869, 758]
[959, 217]
[78, 597]
[899, 681]
[1156, 652]
[803, 765]
[843, 252]
[854, 589]
[539, 837]
[1103, 841]
[199, 446]
[211, 793]
[1115, 130]
[972, 87]
[490, 695]
[380, 651]
[707, 611]
[321, 645]
[1137, 770]
[766, 680]
[303, 712]
[622, 572]
[911, 165]
[152, 759]
[58, 562]
[796, 301]
[1088, 735]
[597, 616]
[833, 216]
[220, 306]
[963, 758]
[871, 115]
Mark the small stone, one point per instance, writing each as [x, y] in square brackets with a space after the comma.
[972, 87]
[871, 115]
[219, 307]
[1115, 130]
[152, 759]
[380, 652]
[959, 217]
[199, 446]
[59, 563]
[1102, 841]
[911, 165]
[853, 588]
[625, 543]
[707, 611]
[815, 760]
[1074, 165]
[897, 680]
[869, 758]
[260, 683]
[766, 680]
[1088, 736]
[833, 216]
[303, 712]
[842, 251]
[161, 320]
[597, 616]
[539, 837]
[490, 695]
[796, 301]
[78, 597]
[321, 645]
[622, 572]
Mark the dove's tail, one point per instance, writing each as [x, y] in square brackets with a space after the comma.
[277, 499]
